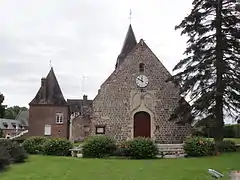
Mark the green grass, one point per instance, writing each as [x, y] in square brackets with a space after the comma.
[67, 168]
[236, 140]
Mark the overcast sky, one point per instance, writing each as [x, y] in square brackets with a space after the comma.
[82, 38]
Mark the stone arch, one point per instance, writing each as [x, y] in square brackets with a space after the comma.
[142, 124]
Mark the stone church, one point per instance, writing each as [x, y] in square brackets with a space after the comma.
[135, 100]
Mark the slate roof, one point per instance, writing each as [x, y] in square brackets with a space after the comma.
[129, 43]
[49, 92]
[76, 105]
[23, 117]
[9, 123]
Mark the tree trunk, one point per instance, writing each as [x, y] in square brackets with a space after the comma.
[218, 134]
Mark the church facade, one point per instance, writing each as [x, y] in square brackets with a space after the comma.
[135, 100]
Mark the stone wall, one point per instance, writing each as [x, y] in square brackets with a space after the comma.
[119, 99]
[80, 129]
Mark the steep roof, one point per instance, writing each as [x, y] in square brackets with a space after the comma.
[23, 117]
[129, 43]
[49, 92]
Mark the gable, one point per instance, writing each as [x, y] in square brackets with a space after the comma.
[129, 69]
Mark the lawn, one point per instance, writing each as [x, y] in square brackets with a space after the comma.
[236, 140]
[67, 168]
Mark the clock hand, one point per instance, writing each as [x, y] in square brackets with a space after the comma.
[140, 79]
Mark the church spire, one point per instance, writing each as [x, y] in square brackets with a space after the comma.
[129, 43]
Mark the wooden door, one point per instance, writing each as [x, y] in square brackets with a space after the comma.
[142, 124]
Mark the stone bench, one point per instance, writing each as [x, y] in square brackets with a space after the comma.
[175, 150]
[75, 151]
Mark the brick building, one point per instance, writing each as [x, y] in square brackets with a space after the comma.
[135, 100]
[49, 111]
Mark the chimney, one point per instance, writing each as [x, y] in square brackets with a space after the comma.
[44, 87]
[84, 100]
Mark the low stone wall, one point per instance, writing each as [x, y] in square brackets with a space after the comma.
[12, 132]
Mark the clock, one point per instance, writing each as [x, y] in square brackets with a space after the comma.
[142, 81]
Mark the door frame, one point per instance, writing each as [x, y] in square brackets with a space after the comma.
[152, 121]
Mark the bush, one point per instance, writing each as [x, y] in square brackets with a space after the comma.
[98, 147]
[1, 133]
[5, 158]
[15, 150]
[141, 148]
[34, 145]
[18, 153]
[57, 147]
[199, 146]
[226, 146]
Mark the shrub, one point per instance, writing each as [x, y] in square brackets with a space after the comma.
[18, 153]
[120, 150]
[98, 147]
[15, 150]
[199, 146]
[141, 148]
[34, 145]
[1, 133]
[57, 147]
[226, 146]
[5, 158]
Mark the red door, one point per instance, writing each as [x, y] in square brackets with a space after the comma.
[142, 124]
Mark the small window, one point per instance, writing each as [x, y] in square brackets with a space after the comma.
[47, 130]
[141, 67]
[5, 125]
[59, 118]
[14, 125]
[100, 129]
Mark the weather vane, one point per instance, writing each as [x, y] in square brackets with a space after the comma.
[130, 16]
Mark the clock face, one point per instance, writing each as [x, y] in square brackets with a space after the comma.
[142, 81]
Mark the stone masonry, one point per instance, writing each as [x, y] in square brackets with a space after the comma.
[119, 99]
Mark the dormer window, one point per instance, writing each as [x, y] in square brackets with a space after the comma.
[14, 125]
[5, 125]
[141, 67]
[59, 118]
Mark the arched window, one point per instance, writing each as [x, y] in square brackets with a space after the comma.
[141, 67]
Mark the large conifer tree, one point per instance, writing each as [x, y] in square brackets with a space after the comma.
[209, 75]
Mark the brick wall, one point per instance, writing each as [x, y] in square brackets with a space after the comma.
[42, 115]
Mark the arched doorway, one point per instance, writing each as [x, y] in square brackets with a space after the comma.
[142, 124]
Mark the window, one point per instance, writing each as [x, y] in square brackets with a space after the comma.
[47, 130]
[14, 125]
[59, 118]
[5, 125]
[141, 67]
[100, 129]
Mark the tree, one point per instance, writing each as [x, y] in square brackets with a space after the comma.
[209, 75]
[12, 112]
[2, 107]
[1, 133]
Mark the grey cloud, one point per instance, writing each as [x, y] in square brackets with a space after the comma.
[82, 38]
